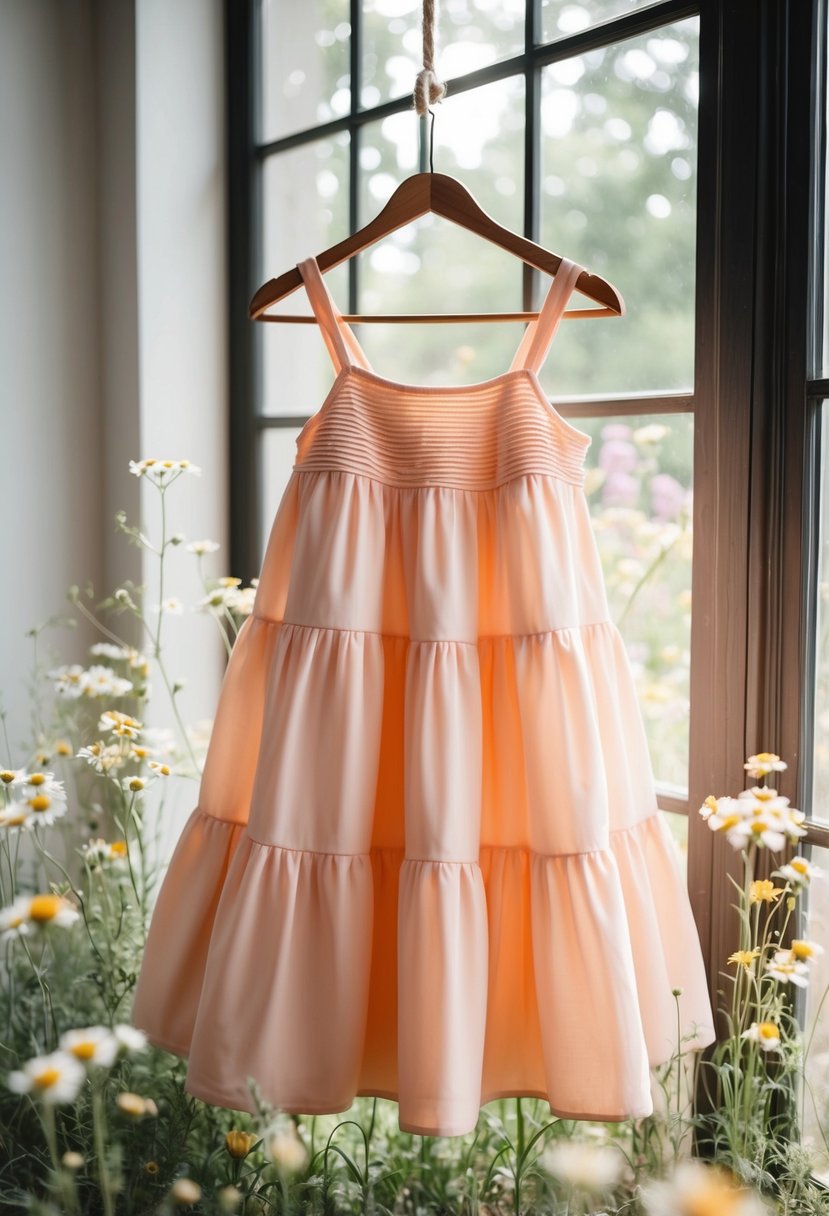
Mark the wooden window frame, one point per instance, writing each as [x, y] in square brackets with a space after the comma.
[759, 311]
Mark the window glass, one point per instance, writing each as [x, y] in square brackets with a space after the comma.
[296, 366]
[679, 830]
[304, 65]
[638, 484]
[433, 265]
[562, 18]
[470, 34]
[618, 194]
[277, 453]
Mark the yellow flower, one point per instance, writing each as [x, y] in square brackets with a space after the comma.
[764, 890]
[239, 1143]
[134, 1105]
[744, 957]
[63, 748]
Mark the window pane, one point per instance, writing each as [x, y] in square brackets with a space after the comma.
[277, 453]
[638, 484]
[679, 830]
[470, 34]
[305, 209]
[820, 779]
[560, 18]
[618, 194]
[434, 265]
[815, 1095]
[303, 65]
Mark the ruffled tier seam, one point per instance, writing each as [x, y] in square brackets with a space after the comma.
[403, 637]
[648, 820]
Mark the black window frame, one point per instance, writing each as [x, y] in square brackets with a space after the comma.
[756, 404]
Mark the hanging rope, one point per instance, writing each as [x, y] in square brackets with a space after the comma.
[428, 87]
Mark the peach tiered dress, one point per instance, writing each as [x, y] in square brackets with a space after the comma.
[427, 861]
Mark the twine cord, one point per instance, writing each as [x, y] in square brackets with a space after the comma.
[429, 88]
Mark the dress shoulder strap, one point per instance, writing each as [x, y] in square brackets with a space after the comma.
[342, 345]
[540, 332]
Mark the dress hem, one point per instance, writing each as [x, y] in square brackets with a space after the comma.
[207, 1093]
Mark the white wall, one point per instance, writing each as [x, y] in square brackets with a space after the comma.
[50, 401]
[112, 309]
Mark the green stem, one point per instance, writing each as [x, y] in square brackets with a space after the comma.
[99, 1126]
[64, 1179]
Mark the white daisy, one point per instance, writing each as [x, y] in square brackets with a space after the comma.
[107, 650]
[590, 1167]
[171, 605]
[200, 547]
[103, 757]
[70, 681]
[56, 1077]
[799, 871]
[787, 969]
[764, 763]
[100, 681]
[764, 1033]
[119, 724]
[92, 1045]
[130, 1039]
[14, 920]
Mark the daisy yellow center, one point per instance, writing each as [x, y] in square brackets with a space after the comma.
[120, 847]
[764, 794]
[801, 949]
[767, 1030]
[44, 907]
[729, 822]
[37, 779]
[40, 802]
[47, 1078]
[767, 757]
[14, 820]
[6, 776]
[85, 1050]
[800, 866]
[63, 748]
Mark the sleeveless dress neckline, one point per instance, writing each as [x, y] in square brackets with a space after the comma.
[427, 861]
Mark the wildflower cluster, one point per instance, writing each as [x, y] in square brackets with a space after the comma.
[162, 472]
[58, 1076]
[228, 595]
[30, 798]
[758, 814]
[122, 747]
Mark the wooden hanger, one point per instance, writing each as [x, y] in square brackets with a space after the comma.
[446, 196]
